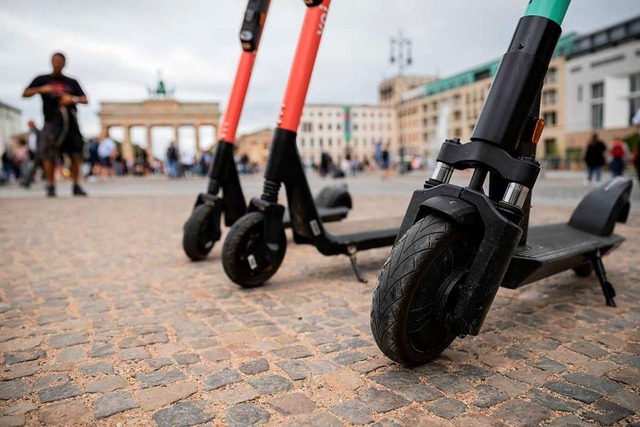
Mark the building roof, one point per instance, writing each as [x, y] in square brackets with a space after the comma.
[337, 105]
[480, 72]
[4, 106]
[613, 35]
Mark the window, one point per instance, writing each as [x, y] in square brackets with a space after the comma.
[457, 115]
[634, 82]
[307, 127]
[549, 97]
[329, 126]
[551, 76]
[550, 119]
[321, 142]
[634, 99]
[425, 107]
[550, 148]
[355, 126]
[597, 90]
[329, 142]
[579, 93]
[320, 126]
[338, 126]
[301, 142]
[425, 122]
[597, 115]
[310, 142]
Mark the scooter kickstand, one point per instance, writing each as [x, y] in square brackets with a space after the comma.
[607, 288]
[354, 264]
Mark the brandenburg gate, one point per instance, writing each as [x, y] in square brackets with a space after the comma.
[158, 110]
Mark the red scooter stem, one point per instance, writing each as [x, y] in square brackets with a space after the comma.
[231, 119]
[302, 67]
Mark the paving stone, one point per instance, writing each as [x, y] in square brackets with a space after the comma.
[629, 360]
[187, 359]
[396, 379]
[511, 387]
[554, 403]
[222, 379]
[235, 394]
[70, 413]
[254, 367]
[50, 380]
[449, 383]
[13, 389]
[447, 408]
[20, 370]
[159, 362]
[573, 391]
[349, 357]
[246, 414]
[102, 350]
[156, 378]
[271, 384]
[11, 358]
[157, 397]
[532, 376]
[547, 364]
[601, 385]
[420, 393]
[381, 400]
[183, 414]
[519, 412]
[98, 368]
[569, 421]
[312, 420]
[67, 340]
[71, 355]
[628, 399]
[216, 354]
[588, 349]
[292, 404]
[353, 412]
[487, 396]
[113, 403]
[296, 369]
[473, 373]
[106, 385]
[321, 367]
[12, 420]
[134, 353]
[477, 420]
[19, 408]
[607, 413]
[59, 392]
[293, 352]
[344, 380]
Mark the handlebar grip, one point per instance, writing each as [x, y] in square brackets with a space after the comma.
[252, 24]
[313, 3]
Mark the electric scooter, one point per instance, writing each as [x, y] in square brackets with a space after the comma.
[458, 245]
[255, 245]
[202, 229]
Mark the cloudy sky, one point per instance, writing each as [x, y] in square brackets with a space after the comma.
[116, 48]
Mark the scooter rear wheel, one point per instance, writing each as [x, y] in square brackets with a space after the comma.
[416, 289]
[244, 253]
[198, 238]
[583, 270]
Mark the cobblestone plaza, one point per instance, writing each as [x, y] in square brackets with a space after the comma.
[104, 321]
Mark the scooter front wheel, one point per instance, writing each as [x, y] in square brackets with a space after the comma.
[199, 233]
[245, 256]
[417, 288]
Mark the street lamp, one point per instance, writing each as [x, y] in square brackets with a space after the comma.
[403, 46]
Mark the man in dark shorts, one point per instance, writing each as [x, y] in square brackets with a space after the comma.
[61, 133]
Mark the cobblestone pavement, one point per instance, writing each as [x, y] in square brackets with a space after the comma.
[104, 321]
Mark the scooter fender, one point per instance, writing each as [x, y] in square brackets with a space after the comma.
[273, 214]
[216, 205]
[457, 210]
[599, 210]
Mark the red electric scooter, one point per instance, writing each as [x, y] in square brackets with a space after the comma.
[202, 229]
[256, 244]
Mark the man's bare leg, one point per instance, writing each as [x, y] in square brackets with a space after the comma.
[49, 171]
[75, 171]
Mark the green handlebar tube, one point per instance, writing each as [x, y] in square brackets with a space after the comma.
[551, 9]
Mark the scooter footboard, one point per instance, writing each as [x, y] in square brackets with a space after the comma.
[599, 210]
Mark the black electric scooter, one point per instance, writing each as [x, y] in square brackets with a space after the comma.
[256, 244]
[202, 229]
[458, 245]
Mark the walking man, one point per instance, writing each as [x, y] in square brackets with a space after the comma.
[61, 133]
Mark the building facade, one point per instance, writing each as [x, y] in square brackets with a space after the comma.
[10, 124]
[342, 130]
[390, 91]
[255, 145]
[603, 89]
[449, 108]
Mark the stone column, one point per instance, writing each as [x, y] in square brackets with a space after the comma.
[105, 131]
[149, 142]
[197, 130]
[176, 135]
[127, 147]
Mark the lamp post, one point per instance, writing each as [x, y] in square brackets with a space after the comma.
[402, 46]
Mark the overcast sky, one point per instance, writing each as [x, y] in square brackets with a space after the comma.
[115, 48]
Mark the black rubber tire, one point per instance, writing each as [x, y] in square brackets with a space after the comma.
[198, 238]
[583, 270]
[406, 318]
[244, 238]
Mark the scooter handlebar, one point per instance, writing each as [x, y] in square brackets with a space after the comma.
[252, 24]
[313, 3]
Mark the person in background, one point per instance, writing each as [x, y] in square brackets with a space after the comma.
[93, 157]
[594, 158]
[61, 132]
[106, 153]
[385, 162]
[619, 156]
[34, 163]
[172, 160]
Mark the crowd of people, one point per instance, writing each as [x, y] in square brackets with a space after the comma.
[618, 157]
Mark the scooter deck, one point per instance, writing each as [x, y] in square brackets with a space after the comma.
[365, 234]
[554, 248]
[327, 214]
